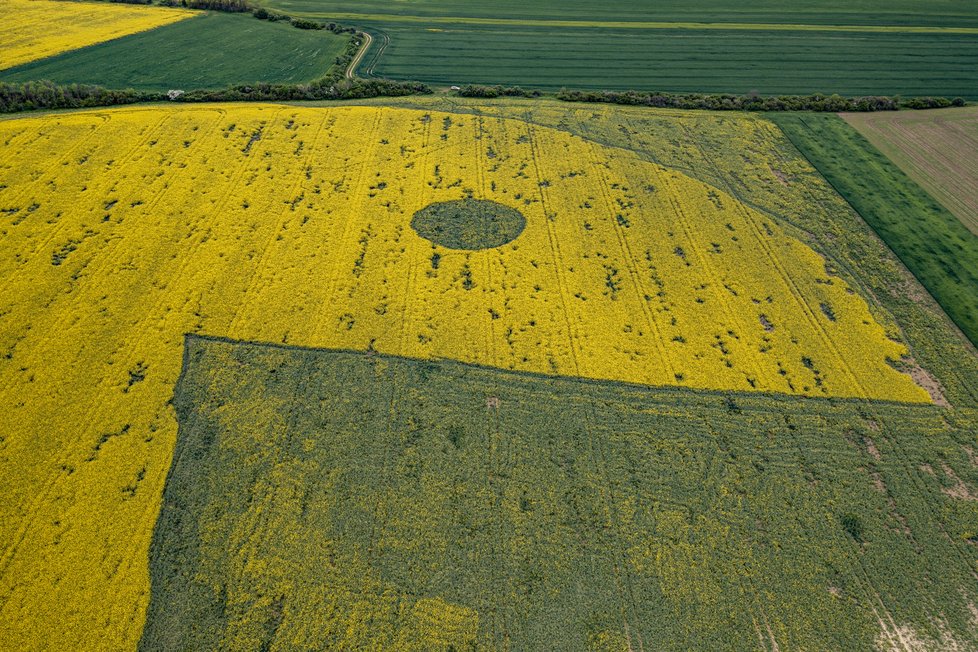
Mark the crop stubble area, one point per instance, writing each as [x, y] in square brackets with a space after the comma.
[659, 248]
[35, 29]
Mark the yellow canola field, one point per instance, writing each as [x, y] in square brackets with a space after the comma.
[35, 29]
[122, 230]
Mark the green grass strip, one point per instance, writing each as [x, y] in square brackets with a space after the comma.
[940, 251]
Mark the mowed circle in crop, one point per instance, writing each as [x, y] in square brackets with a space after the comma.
[470, 224]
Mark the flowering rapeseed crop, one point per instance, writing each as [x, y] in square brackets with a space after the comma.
[35, 29]
[123, 230]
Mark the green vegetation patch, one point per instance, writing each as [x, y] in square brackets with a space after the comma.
[937, 248]
[341, 500]
[826, 12]
[677, 60]
[669, 45]
[470, 224]
[213, 50]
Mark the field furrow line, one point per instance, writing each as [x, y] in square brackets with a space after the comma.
[733, 316]
[664, 357]
[750, 591]
[256, 278]
[407, 302]
[351, 216]
[623, 582]
[480, 170]
[495, 489]
[558, 260]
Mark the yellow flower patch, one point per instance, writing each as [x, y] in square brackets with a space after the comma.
[122, 230]
[35, 29]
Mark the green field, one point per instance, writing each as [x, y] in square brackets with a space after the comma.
[825, 12]
[213, 50]
[935, 148]
[681, 60]
[355, 501]
[940, 251]
[713, 47]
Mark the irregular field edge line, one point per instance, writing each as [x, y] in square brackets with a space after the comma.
[675, 390]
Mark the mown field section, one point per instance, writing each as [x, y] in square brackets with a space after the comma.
[935, 148]
[123, 230]
[35, 29]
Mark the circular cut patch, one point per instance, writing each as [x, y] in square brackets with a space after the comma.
[468, 224]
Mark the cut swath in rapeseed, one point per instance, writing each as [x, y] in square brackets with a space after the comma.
[35, 29]
[125, 229]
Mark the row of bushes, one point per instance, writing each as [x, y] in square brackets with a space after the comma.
[261, 13]
[324, 89]
[31, 96]
[35, 95]
[753, 102]
[475, 90]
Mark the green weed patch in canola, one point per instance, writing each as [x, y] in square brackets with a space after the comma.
[348, 500]
[470, 224]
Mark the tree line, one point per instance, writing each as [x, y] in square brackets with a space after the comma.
[35, 95]
[753, 102]
[44, 95]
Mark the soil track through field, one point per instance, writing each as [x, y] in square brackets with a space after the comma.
[351, 69]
